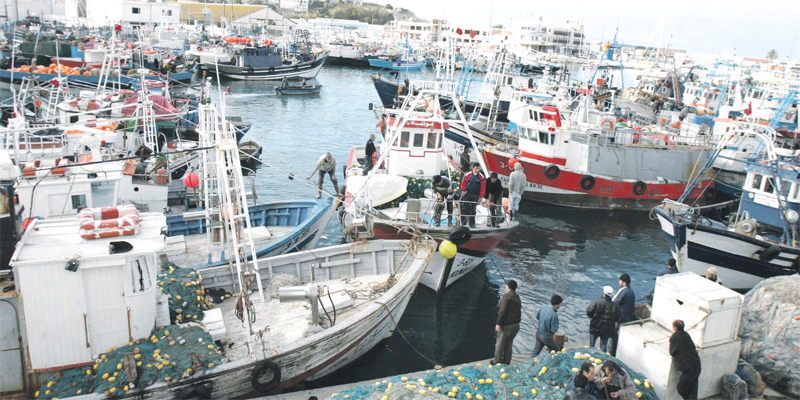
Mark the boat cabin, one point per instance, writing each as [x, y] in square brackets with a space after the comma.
[418, 149]
[770, 201]
[81, 297]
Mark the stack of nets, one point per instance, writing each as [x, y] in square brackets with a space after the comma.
[770, 332]
[187, 297]
[544, 377]
[165, 356]
[416, 189]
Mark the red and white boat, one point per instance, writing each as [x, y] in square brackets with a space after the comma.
[395, 198]
[586, 161]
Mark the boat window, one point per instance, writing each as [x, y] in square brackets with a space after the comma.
[769, 185]
[756, 181]
[553, 138]
[404, 138]
[432, 140]
[140, 275]
[543, 137]
[418, 139]
[78, 201]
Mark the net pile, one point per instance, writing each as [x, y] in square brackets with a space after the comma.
[165, 356]
[187, 297]
[770, 332]
[416, 189]
[544, 377]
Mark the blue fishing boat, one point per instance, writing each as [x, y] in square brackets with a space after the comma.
[397, 62]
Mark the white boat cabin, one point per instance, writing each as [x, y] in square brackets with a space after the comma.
[81, 297]
[418, 149]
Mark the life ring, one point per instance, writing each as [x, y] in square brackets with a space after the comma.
[460, 235]
[610, 125]
[108, 222]
[194, 392]
[89, 105]
[639, 188]
[710, 193]
[552, 171]
[262, 369]
[588, 182]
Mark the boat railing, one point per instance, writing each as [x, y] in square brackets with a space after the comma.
[433, 212]
[441, 87]
[626, 137]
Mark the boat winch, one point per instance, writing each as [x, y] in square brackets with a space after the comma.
[310, 293]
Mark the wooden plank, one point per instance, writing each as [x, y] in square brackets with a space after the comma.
[339, 262]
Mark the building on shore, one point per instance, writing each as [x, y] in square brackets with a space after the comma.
[536, 35]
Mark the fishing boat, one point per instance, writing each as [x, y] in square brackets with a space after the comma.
[290, 90]
[748, 242]
[397, 61]
[392, 198]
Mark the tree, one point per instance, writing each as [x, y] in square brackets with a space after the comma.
[389, 7]
[772, 54]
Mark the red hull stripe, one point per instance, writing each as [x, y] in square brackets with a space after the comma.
[551, 160]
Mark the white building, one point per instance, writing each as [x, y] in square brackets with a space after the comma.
[151, 12]
[294, 5]
[535, 35]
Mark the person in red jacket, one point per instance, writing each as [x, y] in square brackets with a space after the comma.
[473, 187]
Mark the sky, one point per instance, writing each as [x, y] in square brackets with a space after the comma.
[698, 26]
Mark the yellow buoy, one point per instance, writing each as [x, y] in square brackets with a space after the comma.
[638, 395]
[636, 381]
[447, 249]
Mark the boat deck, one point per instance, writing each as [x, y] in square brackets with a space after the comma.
[190, 250]
[279, 324]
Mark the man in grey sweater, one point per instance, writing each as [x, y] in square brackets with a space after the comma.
[516, 186]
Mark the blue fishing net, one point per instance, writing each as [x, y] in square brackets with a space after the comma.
[544, 377]
[187, 296]
[167, 355]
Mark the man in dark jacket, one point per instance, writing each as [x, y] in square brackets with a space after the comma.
[579, 391]
[626, 299]
[604, 314]
[507, 323]
[587, 370]
[444, 196]
[472, 187]
[672, 268]
[494, 199]
[369, 152]
[686, 360]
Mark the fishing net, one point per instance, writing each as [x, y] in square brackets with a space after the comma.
[416, 189]
[187, 297]
[543, 377]
[170, 354]
[770, 332]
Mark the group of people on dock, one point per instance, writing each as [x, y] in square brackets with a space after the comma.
[607, 313]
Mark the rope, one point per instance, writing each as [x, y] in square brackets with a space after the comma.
[400, 331]
[490, 258]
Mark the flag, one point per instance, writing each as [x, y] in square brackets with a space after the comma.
[118, 27]
[472, 34]
[459, 31]
[749, 109]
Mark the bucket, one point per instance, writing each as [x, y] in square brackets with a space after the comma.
[560, 339]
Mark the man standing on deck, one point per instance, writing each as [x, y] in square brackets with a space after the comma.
[626, 300]
[516, 186]
[507, 324]
[464, 160]
[548, 326]
[494, 198]
[604, 314]
[687, 361]
[472, 186]
[325, 165]
[444, 196]
[369, 152]
[672, 268]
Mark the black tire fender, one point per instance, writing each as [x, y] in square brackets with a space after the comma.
[770, 253]
[552, 171]
[639, 188]
[460, 235]
[588, 182]
[261, 369]
[710, 193]
[194, 392]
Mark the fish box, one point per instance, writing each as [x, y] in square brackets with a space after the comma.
[714, 309]
[644, 347]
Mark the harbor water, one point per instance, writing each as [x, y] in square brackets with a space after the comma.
[556, 250]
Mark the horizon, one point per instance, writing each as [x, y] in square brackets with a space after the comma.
[774, 24]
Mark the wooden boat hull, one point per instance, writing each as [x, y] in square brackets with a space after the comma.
[298, 90]
[303, 70]
[395, 65]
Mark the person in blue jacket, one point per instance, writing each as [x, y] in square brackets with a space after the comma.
[548, 326]
[626, 299]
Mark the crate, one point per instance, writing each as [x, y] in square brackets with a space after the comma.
[715, 309]
[644, 347]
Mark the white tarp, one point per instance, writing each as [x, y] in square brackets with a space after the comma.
[376, 189]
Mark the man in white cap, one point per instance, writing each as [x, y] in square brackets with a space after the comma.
[711, 274]
[604, 314]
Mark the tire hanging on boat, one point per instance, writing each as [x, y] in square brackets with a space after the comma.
[260, 370]
[710, 193]
[639, 188]
[552, 171]
[588, 182]
[460, 235]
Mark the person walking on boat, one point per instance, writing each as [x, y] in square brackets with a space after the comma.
[516, 186]
[626, 299]
[444, 196]
[687, 361]
[672, 268]
[472, 186]
[325, 165]
[507, 324]
[369, 152]
[604, 315]
[548, 326]
[494, 198]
